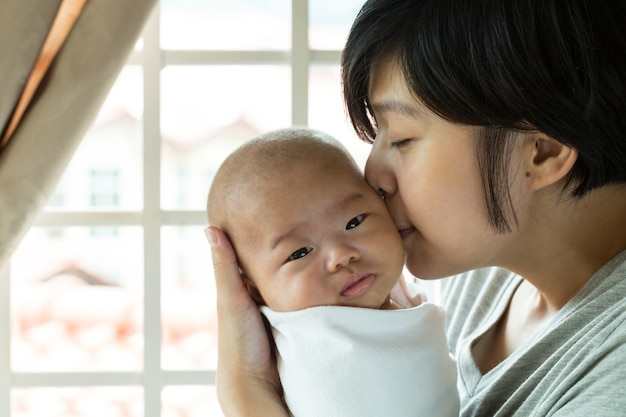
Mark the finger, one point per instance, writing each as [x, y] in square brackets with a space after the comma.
[224, 259]
[228, 280]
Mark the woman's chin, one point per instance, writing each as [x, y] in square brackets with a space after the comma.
[422, 268]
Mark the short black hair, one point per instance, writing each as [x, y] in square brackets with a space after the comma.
[554, 66]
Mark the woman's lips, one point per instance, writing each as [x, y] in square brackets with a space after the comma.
[358, 285]
[405, 231]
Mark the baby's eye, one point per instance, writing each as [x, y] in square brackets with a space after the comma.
[300, 253]
[355, 222]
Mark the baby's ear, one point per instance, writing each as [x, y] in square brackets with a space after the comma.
[252, 289]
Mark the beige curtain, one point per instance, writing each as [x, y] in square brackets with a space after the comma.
[46, 107]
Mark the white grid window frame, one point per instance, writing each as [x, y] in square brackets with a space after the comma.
[153, 378]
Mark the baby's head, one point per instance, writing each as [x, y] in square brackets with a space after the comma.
[306, 227]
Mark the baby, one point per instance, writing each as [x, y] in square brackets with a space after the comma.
[313, 240]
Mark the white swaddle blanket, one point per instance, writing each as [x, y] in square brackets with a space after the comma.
[348, 361]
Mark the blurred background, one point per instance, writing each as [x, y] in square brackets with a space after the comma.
[110, 295]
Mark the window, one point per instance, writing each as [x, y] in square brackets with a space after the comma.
[104, 188]
[107, 307]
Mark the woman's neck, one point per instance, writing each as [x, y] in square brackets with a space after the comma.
[562, 248]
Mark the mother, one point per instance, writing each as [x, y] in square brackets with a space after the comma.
[498, 145]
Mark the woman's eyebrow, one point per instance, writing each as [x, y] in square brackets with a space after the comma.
[397, 107]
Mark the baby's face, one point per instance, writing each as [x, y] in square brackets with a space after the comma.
[320, 238]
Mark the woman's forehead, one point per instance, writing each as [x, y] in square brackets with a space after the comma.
[387, 80]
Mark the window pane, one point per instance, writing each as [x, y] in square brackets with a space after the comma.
[187, 300]
[83, 402]
[112, 145]
[330, 21]
[192, 401]
[105, 187]
[206, 112]
[79, 306]
[219, 24]
[326, 110]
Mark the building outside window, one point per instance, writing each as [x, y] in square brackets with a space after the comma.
[104, 188]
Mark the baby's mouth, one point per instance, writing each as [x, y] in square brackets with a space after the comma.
[358, 285]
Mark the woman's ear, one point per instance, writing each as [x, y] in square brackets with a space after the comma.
[550, 161]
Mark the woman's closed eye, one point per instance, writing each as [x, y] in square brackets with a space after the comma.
[398, 144]
[355, 221]
[300, 253]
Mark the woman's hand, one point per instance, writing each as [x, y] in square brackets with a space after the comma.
[247, 379]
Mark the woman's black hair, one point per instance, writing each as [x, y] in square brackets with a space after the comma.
[554, 66]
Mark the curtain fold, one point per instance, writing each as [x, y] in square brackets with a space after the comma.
[24, 26]
[65, 103]
[65, 18]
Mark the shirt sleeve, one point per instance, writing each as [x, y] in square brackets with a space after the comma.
[601, 390]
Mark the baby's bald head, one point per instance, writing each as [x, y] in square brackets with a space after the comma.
[248, 178]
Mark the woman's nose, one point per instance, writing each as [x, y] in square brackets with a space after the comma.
[378, 173]
[341, 255]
